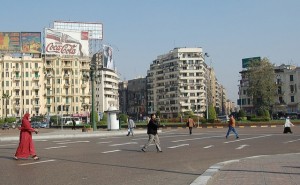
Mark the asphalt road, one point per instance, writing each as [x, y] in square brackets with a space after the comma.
[119, 161]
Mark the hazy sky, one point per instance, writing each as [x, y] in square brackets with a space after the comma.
[140, 30]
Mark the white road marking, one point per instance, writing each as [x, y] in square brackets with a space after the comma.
[292, 141]
[9, 145]
[37, 162]
[124, 144]
[60, 141]
[55, 147]
[179, 146]
[241, 147]
[40, 140]
[111, 151]
[195, 139]
[238, 140]
[104, 142]
[208, 146]
[73, 142]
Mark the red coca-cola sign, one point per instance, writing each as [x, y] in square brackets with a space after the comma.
[59, 48]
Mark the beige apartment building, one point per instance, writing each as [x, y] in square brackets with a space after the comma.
[287, 100]
[181, 81]
[44, 85]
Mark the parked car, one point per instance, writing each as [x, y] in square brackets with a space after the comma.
[5, 126]
[35, 124]
[44, 125]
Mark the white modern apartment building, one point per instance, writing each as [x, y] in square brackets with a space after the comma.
[288, 90]
[177, 82]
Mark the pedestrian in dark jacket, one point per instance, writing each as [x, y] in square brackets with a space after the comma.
[152, 133]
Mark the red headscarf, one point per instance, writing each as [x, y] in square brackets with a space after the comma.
[26, 116]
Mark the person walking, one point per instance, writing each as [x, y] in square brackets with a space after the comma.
[74, 124]
[287, 126]
[26, 145]
[231, 126]
[131, 126]
[190, 123]
[152, 133]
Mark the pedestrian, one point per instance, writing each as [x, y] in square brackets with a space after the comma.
[231, 126]
[287, 126]
[74, 124]
[26, 145]
[190, 123]
[131, 126]
[152, 133]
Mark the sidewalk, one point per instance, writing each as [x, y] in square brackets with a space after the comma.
[258, 170]
[44, 133]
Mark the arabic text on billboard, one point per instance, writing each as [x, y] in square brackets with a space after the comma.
[9, 41]
[108, 61]
[66, 42]
[31, 42]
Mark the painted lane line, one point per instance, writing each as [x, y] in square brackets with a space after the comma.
[111, 151]
[60, 141]
[55, 147]
[9, 145]
[124, 144]
[241, 147]
[179, 146]
[292, 141]
[104, 142]
[73, 142]
[37, 162]
[41, 140]
[208, 146]
[195, 139]
[238, 140]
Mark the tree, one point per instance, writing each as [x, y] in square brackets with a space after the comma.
[212, 115]
[6, 97]
[262, 87]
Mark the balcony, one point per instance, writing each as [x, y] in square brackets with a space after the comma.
[48, 66]
[37, 105]
[17, 96]
[67, 85]
[17, 69]
[85, 68]
[36, 87]
[17, 88]
[36, 78]
[66, 76]
[36, 96]
[67, 66]
[48, 85]
[48, 75]
[83, 85]
[36, 69]
[17, 78]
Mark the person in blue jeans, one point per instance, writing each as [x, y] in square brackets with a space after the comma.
[231, 126]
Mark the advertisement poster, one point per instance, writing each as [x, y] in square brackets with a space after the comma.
[31, 42]
[108, 61]
[66, 42]
[10, 41]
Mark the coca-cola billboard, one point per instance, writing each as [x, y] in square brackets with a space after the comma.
[66, 42]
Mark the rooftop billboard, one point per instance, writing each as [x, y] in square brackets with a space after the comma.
[31, 42]
[108, 61]
[66, 42]
[10, 41]
[246, 61]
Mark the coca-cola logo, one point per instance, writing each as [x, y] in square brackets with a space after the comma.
[68, 49]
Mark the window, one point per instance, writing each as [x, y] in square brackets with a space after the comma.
[7, 74]
[291, 78]
[292, 99]
[36, 65]
[27, 101]
[7, 83]
[27, 92]
[26, 65]
[27, 83]
[26, 74]
[292, 88]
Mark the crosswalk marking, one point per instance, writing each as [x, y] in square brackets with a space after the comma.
[241, 147]
[292, 141]
[208, 146]
[124, 144]
[179, 146]
[55, 147]
[111, 151]
[238, 140]
[73, 142]
[51, 160]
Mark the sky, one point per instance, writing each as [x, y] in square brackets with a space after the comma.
[141, 30]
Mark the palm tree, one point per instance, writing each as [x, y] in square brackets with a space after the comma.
[6, 97]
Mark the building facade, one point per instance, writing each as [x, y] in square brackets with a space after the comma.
[177, 82]
[287, 99]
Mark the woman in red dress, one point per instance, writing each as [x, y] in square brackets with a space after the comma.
[26, 146]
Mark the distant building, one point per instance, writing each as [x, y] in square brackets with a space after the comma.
[123, 96]
[181, 81]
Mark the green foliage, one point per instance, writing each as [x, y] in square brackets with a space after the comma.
[241, 113]
[10, 119]
[37, 118]
[104, 119]
[95, 116]
[123, 118]
[260, 119]
[87, 126]
[212, 115]
[188, 113]
[158, 113]
[262, 88]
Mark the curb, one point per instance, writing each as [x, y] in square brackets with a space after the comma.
[214, 169]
